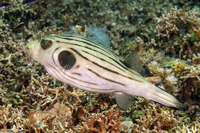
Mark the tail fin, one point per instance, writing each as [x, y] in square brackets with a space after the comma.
[167, 99]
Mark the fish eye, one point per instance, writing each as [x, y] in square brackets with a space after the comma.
[66, 59]
[46, 44]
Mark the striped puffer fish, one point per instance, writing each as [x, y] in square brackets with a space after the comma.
[85, 64]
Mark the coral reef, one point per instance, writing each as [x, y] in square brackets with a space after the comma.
[182, 25]
[158, 120]
[166, 35]
[56, 119]
[103, 122]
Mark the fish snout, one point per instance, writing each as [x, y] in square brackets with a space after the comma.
[31, 47]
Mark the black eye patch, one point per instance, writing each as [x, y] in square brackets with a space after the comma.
[66, 59]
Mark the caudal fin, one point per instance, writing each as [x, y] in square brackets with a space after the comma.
[167, 99]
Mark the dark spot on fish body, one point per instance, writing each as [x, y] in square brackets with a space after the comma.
[66, 59]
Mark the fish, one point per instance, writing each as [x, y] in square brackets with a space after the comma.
[85, 64]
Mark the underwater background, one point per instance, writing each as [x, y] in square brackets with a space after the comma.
[166, 35]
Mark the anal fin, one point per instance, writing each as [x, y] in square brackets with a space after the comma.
[124, 101]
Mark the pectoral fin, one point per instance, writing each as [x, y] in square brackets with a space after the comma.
[124, 101]
[133, 62]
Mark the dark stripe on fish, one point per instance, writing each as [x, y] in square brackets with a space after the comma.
[105, 60]
[76, 73]
[119, 63]
[102, 66]
[65, 73]
[83, 40]
[105, 78]
[62, 77]
[75, 37]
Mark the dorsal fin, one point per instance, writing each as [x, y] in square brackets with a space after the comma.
[133, 62]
